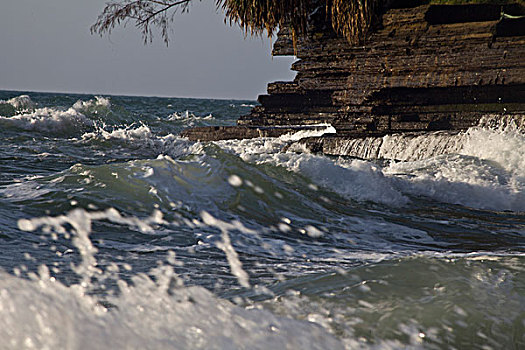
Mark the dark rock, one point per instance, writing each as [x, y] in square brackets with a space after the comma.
[427, 68]
[215, 133]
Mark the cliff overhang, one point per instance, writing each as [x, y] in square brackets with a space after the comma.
[424, 68]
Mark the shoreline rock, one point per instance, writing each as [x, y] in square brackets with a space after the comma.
[427, 68]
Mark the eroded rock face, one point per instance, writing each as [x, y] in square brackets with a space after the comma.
[427, 68]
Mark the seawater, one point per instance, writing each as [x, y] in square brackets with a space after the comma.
[118, 233]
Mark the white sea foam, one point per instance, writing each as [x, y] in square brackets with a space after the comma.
[175, 146]
[156, 312]
[48, 315]
[51, 119]
[485, 168]
[22, 102]
[494, 138]
[354, 179]
[130, 133]
[408, 148]
[460, 180]
[314, 131]
[189, 119]
[226, 246]
[142, 136]
[187, 115]
[48, 120]
[505, 146]
[98, 101]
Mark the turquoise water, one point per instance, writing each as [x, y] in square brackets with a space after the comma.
[116, 232]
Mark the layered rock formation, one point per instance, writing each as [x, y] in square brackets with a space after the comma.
[425, 68]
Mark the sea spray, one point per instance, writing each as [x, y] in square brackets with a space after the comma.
[472, 178]
[352, 179]
[22, 102]
[226, 246]
[49, 121]
[99, 101]
[149, 312]
[324, 251]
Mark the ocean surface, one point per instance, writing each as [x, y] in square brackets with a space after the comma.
[118, 233]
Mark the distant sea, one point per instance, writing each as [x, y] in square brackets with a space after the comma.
[118, 233]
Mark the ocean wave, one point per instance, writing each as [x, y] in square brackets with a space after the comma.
[505, 146]
[148, 312]
[141, 136]
[416, 302]
[99, 101]
[204, 178]
[190, 120]
[49, 120]
[15, 105]
[100, 109]
[354, 179]
[484, 169]
[501, 141]
[356, 307]
[286, 249]
[53, 120]
[128, 133]
[457, 179]
[45, 314]
[22, 102]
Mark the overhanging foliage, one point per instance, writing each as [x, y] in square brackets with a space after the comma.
[350, 18]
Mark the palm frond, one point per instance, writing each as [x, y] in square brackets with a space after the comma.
[349, 18]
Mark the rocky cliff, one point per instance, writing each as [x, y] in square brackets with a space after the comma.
[424, 68]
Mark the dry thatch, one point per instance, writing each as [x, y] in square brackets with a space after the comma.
[350, 18]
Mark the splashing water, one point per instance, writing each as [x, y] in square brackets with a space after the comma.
[117, 233]
[170, 314]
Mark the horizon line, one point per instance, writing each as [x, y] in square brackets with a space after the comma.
[127, 95]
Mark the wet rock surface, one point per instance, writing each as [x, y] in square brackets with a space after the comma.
[427, 68]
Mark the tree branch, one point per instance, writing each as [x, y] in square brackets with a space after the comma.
[162, 10]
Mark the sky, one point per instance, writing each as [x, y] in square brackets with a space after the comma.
[46, 46]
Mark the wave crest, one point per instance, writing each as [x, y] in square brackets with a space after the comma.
[49, 120]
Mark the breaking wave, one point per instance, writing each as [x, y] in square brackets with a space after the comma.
[150, 311]
[486, 172]
[117, 233]
[22, 102]
[52, 120]
[190, 119]
[49, 120]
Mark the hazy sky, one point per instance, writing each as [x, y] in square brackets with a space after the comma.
[45, 45]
